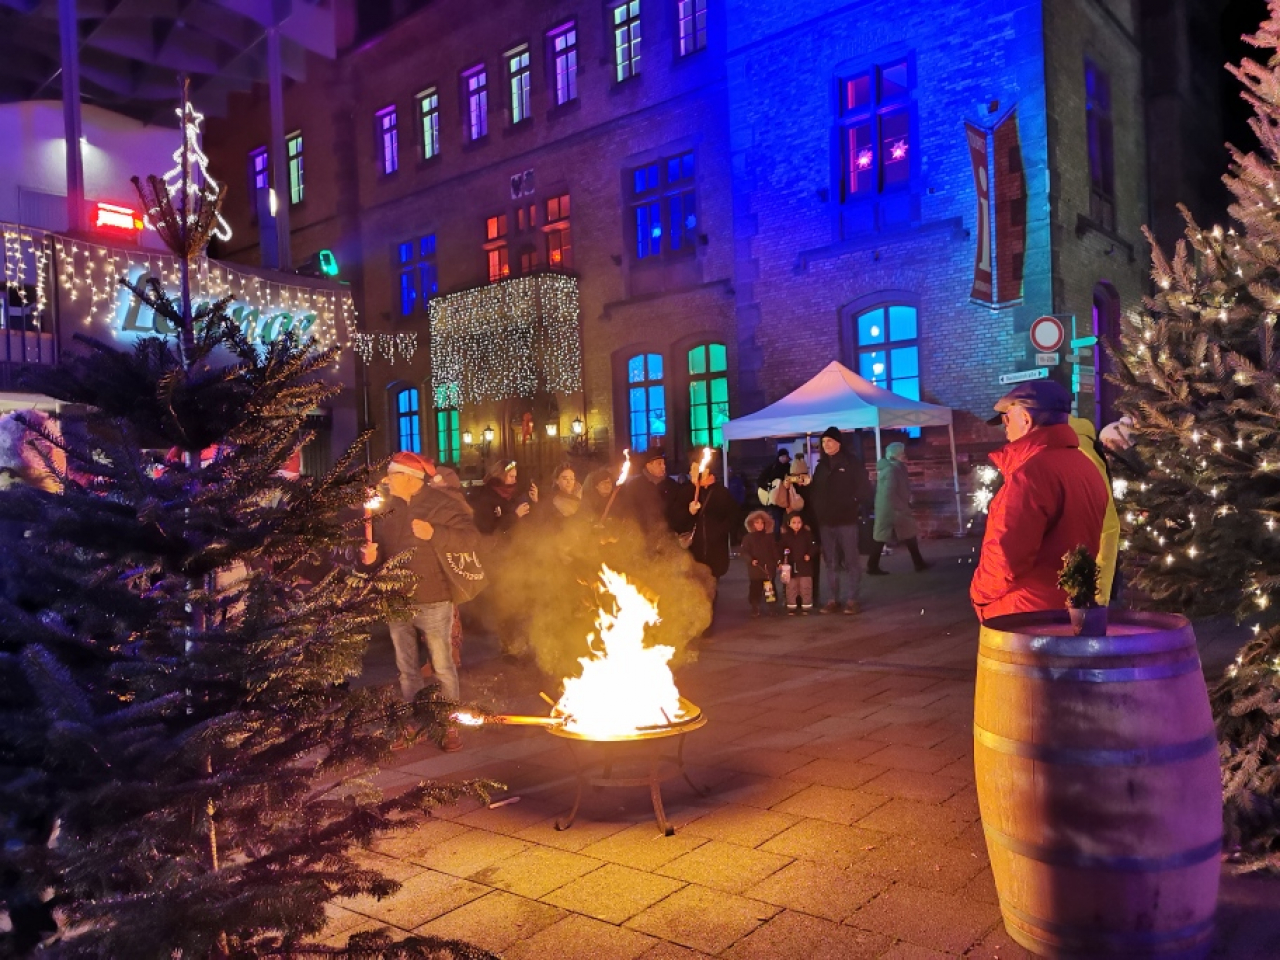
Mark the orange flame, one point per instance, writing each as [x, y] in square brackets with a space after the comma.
[624, 685]
[702, 464]
[626, 468]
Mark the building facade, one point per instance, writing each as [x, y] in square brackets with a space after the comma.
[638, 218]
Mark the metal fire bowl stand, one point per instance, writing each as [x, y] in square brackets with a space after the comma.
[628, 755]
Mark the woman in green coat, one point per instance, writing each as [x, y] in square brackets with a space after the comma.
[893, 510]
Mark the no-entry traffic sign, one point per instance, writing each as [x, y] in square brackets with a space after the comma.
[1047, 334]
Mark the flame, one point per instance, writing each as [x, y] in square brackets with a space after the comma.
[468, 719]
[374, 501]
[624, 685]
[626, 468]
[702, 464]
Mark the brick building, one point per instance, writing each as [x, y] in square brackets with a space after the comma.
[641, 217]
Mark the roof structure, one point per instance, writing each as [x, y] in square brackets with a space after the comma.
[132, 52]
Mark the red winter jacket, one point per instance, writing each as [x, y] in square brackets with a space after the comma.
[1053, 499]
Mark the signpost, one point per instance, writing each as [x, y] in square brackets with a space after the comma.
[1040, 373]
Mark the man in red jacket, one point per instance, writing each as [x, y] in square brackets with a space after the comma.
[1052, 500]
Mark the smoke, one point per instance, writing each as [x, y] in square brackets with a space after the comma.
[544, 595]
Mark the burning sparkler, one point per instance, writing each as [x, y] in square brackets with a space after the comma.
[373, 503]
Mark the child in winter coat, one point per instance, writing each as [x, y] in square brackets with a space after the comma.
[799, 548]
[760, 551]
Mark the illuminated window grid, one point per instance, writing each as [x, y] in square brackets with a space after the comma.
[408, 423]
[691, 17]
[646, 401]
[626, 39]
[559, 239]
[518, 81]
[664, 207]
[448, 438]
[477, 87]
[875, 116]
[388, 140]
[564, 51]
[495, 247]
[429, 122]
[419, 280]
[888, 350]
[294, 145]
[708, 394]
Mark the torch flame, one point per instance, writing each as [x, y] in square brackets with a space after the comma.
[626, 467]
[374, 501]
[624, 685]
[468, 719]
[702, 464]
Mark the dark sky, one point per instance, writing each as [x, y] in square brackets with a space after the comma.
[1239, 17]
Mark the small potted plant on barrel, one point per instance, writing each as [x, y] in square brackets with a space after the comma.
[1079, 578]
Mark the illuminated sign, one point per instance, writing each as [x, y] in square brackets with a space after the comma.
[259, 324]
[112, 216]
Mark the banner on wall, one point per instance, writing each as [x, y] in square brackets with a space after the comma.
[982, 256]
[1011, 209]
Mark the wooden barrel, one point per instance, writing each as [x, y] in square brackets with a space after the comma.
[1099, 785]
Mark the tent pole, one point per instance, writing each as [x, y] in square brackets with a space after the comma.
[955, 480]
[877, 443]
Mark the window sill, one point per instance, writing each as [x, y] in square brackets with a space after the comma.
[566, 109]
[1085, 226]
[476, 144]
[427, 163]
[517, 129]
[953, 226]
[633, 82]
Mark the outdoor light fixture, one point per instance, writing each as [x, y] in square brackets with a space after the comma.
[553, 429]
[467, 437]
[487, 433]
[577, 428]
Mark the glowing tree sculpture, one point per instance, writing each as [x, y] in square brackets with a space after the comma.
[1201, 376]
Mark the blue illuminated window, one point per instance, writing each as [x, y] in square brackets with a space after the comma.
[875, 120]
[646, 401]
[691, 21]
[416, 265]
[388, 140]
[1102, 176]
[408, 424]
[626, 39]
[564, 53]
[664, 207]
[888, 348]
[708, 394]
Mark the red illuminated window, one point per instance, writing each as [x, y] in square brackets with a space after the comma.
[559, 243]
[495, 246]
[876, 133]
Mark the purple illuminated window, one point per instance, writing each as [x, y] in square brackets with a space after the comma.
[388, 139]
[564, 52]
[876, 114]
[477, 86]
[691, 19]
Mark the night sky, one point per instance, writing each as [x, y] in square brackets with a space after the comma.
[1238, 18]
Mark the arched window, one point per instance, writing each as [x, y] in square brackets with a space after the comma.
[646, 401]
[408, 424]
[708, 393]
[888, 348]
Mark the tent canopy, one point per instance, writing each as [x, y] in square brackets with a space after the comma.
[836, 397]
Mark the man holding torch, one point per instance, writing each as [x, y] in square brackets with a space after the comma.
[705, 513]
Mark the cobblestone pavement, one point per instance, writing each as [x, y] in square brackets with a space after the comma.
[839, 820]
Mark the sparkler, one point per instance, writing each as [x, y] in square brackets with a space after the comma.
[622, 478]
[370, 505]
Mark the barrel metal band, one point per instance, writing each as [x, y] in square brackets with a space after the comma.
[1076, 937]
[1136, 757]
[1059, 857]
[1158, 671]
[1069, 646]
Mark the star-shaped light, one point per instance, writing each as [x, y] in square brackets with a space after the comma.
[864, 160]
[898, 151]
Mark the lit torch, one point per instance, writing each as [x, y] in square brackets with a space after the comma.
[370, 505]
[622, 478]
[702, 466]
[467, 719]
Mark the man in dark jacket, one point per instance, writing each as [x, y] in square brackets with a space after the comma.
[707, 510]
[1052, 500]
[417, 509]
[840, 492]
[648, 494]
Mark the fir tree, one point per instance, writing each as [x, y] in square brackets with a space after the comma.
[175, 646]
[1200, 369]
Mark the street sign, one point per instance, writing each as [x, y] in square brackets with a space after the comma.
[1086, 373]
[1082, 342]
[1047, 334]
[1040, 373]
[1046, 359]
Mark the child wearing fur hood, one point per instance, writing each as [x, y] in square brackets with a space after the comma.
[760, 550]
[800, 549]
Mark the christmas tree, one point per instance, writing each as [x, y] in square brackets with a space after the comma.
[1200, 369]
[182, 761]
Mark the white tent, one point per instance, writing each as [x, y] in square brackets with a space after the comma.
[838, 397]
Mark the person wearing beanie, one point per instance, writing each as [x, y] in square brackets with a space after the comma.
[840, 494]
[893, 510]
[1052, 501]
[705, 511]
[418, 508]
[647, 495]
[772, 487]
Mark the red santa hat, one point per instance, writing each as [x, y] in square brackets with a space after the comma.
[291, 469]
[413, 464]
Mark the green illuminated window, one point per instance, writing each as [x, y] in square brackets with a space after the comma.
[708, 393]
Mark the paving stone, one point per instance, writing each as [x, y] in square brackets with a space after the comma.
[910, 951]
[912, 818]
[901, 756]
[583, 833]
[964, 803]
[831, 803]
[751, 790]
[511, 818]
[581, 938]
[921, 862]
[971, 838]
[536, 871]
[702, 919]
[724, 866]
[910, 785]
[822, 842]
[961, 769]
[642, 846]
[421, 898]
[495, 921]
[673, 951]
[840, 747]
[767, 763]
[854, 727]
[392, 867]
[409, 843]
[837, 773]
[983, 885]
[913, 734]
[928, 918]
[613, 893]
[796, 935]
[468, 852]
[998, 945]
[818, 889]
[745, 826]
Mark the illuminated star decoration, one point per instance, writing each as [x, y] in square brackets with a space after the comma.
[191, 121]
[898, 151]
[864, 160]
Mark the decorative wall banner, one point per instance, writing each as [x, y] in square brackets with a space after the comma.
[977, 138]
[1011, 210]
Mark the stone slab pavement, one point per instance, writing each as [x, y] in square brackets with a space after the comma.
[839, 818]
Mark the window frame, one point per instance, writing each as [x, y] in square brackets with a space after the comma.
[388, 139]
[497, 247]
[476, 103]
[710, 377]
[629, 26]
[1100, 145]
[697, 11]
[418, 272]
[428, 103]
[448, 435]
[297, 182]
[887, 346]
[564, 83]
[882, 106]
[405, 417]
[637, 442]
[557, 227]
[519, 83]
[663, 194]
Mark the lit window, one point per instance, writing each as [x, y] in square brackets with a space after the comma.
[692, 21]
[448, 442]
[708, 394]
[419, 280]
[429, 118]
[663, 207]
[626, 39]
[888, 351]
[259, 171]
[1102, 189]
[518, 74]
[388, 140]
[294, 143]
[477, 85]
[496, 249]
[559, 245]
[408, 424]
[564, 52]
[646, 401]
[875, 121]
